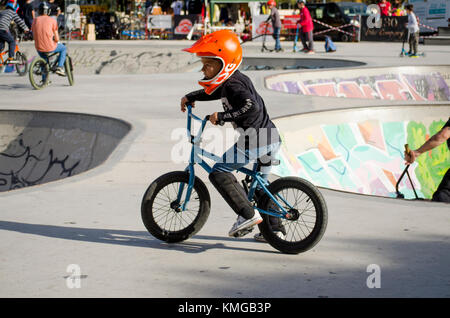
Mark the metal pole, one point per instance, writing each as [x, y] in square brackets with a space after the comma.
[206, 16]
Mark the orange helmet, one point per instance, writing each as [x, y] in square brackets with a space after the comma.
[223, 45]
[271, 3]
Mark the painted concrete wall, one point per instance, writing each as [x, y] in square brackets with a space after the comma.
[116, 58]
[419, 83]
[361, 150]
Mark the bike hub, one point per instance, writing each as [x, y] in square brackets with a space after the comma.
[293, 215]
[176, 206]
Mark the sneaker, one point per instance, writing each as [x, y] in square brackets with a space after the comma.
[60, 71]
[260, 238]
[279, 50]
[310, 52]
[242, 223]
[11, 60]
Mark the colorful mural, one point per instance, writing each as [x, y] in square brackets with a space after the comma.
[401, 86]
[367, 157]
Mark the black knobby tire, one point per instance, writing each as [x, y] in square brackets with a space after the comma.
[306, 231]
[68, 66]
[159, 215]
[37, 71]
[22, 66]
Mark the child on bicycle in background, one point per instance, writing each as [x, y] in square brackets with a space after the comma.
[46, 38]
[6, 16]
[221, 55]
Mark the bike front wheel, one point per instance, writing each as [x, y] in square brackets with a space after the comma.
[161, 209]
[22, 65]
[39, 73]
[308, 215]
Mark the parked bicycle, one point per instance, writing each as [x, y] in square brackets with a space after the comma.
[20, 61]
[177, 204]
[40, 70]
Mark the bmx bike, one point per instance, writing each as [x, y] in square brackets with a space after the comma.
[20, 61]
[176, 205]
[40, 70]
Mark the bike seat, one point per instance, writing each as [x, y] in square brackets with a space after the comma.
[48, 54]
[268, 160]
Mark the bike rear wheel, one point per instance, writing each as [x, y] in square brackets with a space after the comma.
[161, 211]
[39, 73]
[309, 215]
[22, 65]
[69, 70]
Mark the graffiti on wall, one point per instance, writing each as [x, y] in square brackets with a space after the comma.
[367, 158]
[419, 87]
[23, 165]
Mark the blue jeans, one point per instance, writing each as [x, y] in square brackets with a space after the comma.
[276, 36]
[6, 36]
[61, 49]
[235, 158]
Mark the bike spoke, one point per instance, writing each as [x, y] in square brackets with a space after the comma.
[298, 230]
[166, 217]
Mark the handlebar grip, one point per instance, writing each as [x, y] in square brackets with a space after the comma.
[407, 150]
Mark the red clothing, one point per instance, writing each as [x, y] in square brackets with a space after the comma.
[384, 7]
[305, 20]
[44, 28]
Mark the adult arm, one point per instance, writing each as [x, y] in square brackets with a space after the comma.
[436, 140]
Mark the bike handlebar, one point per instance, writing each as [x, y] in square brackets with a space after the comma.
[407, 150]
[190, 115]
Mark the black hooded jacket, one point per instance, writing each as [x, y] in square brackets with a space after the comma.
[243, 106]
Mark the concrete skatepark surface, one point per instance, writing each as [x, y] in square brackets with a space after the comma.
[92, 219]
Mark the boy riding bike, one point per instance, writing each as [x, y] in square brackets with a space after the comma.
[6, 16]
[46, 38]
[221, 55]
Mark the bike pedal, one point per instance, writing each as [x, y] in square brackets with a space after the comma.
[243, 232]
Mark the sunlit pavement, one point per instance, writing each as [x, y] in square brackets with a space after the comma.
[91, 222]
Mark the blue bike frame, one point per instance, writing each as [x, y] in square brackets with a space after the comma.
[195, 157]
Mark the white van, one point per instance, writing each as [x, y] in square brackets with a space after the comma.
[432, 13]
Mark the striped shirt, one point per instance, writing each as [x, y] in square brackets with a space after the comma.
[8, 15]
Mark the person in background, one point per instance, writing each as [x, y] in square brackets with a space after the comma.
[28, 12]
[413, 30]
[6, 16]
[385, 8]
[156, 10]
[177, 6]
[224, 16]
[442, 193]
[397, 9]
[306, 28]
[276, 24]
[55, 10]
